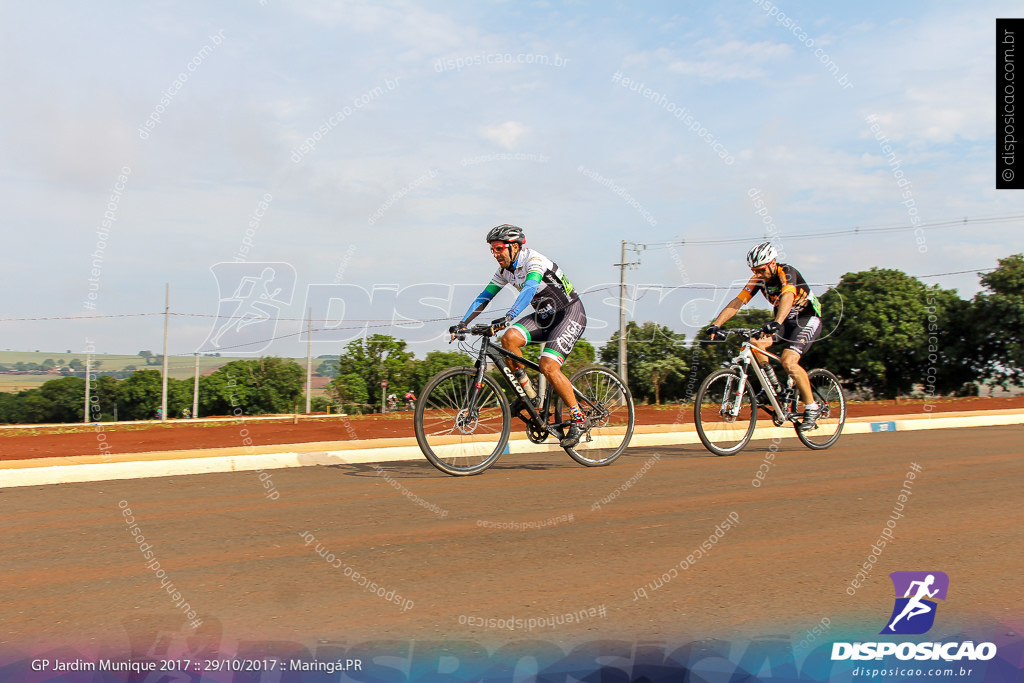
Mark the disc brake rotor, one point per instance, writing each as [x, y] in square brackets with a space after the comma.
[466, 422]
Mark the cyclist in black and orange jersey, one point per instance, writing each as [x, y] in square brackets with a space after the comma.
[558, 316]
[797, 318]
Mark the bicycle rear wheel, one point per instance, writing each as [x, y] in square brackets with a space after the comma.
[455, 438]
[829, 394]
[722, 432]
[609, 408]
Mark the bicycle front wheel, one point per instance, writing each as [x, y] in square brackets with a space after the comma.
[608, 406]
[725, 420]
[828, 393]
[458, 438]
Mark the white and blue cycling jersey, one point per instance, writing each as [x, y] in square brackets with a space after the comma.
[558, 317]
[541, 283]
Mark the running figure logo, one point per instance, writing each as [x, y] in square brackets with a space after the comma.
[914, 612]
[251, 298]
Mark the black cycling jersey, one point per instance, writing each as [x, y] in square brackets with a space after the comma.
[786, 279]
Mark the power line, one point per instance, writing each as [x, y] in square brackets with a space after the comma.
[856, 230]
[832, 284]
[381, 322]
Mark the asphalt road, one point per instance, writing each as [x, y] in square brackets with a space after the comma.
[450, 562]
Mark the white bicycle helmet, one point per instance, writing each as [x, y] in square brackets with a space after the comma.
[762, 254]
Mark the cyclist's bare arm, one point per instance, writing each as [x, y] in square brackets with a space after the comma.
[784, 307]
[731, 309]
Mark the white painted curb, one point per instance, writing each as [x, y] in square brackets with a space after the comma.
[15, 473]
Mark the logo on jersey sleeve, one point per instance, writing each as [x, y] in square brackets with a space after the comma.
[566, 284]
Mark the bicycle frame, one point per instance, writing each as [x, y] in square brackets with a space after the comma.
[497, 354]
[746, 359]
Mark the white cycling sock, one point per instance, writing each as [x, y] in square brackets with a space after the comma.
[811, 406]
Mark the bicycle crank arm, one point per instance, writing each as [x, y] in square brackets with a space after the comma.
[561, 426]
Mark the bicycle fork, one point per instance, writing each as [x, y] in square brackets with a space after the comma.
[734, 399]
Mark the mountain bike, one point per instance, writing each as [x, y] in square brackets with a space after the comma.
[464, 416]
[725, 407]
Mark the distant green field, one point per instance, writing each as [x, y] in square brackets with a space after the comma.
[179, 367]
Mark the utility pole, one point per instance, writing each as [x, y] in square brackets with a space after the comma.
[622, 301]
[88, 369]
[195, 390]
[309, 361]
[167, 318]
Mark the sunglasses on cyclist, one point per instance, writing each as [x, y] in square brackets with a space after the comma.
[498, 249]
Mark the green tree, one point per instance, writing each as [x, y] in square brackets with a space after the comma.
[252, 387]
[328, 368]
[376, 358]
[953, 356]
[34, 407]
[103, 393]
[416, 373]
[997, 324]
[138, 396]
[179, 396]
[10, 408]
[67, 399]
[436, 361]
[877, 327]
[652, 374]
[349, 391]
[646, 345]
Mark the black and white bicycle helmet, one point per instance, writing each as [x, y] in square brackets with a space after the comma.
[761, 254]
[506, 233]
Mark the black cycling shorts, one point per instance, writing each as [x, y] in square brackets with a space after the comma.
[560, 329]
[798, 333]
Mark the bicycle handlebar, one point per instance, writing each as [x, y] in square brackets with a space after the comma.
[746, 333]
[477, 330]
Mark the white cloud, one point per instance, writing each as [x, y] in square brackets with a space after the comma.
[505, 134]
[412, 32]
[732, 60]
[936, 92]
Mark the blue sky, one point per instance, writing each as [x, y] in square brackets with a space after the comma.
[430, 122]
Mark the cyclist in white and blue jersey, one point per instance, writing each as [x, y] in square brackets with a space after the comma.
[558, 317]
